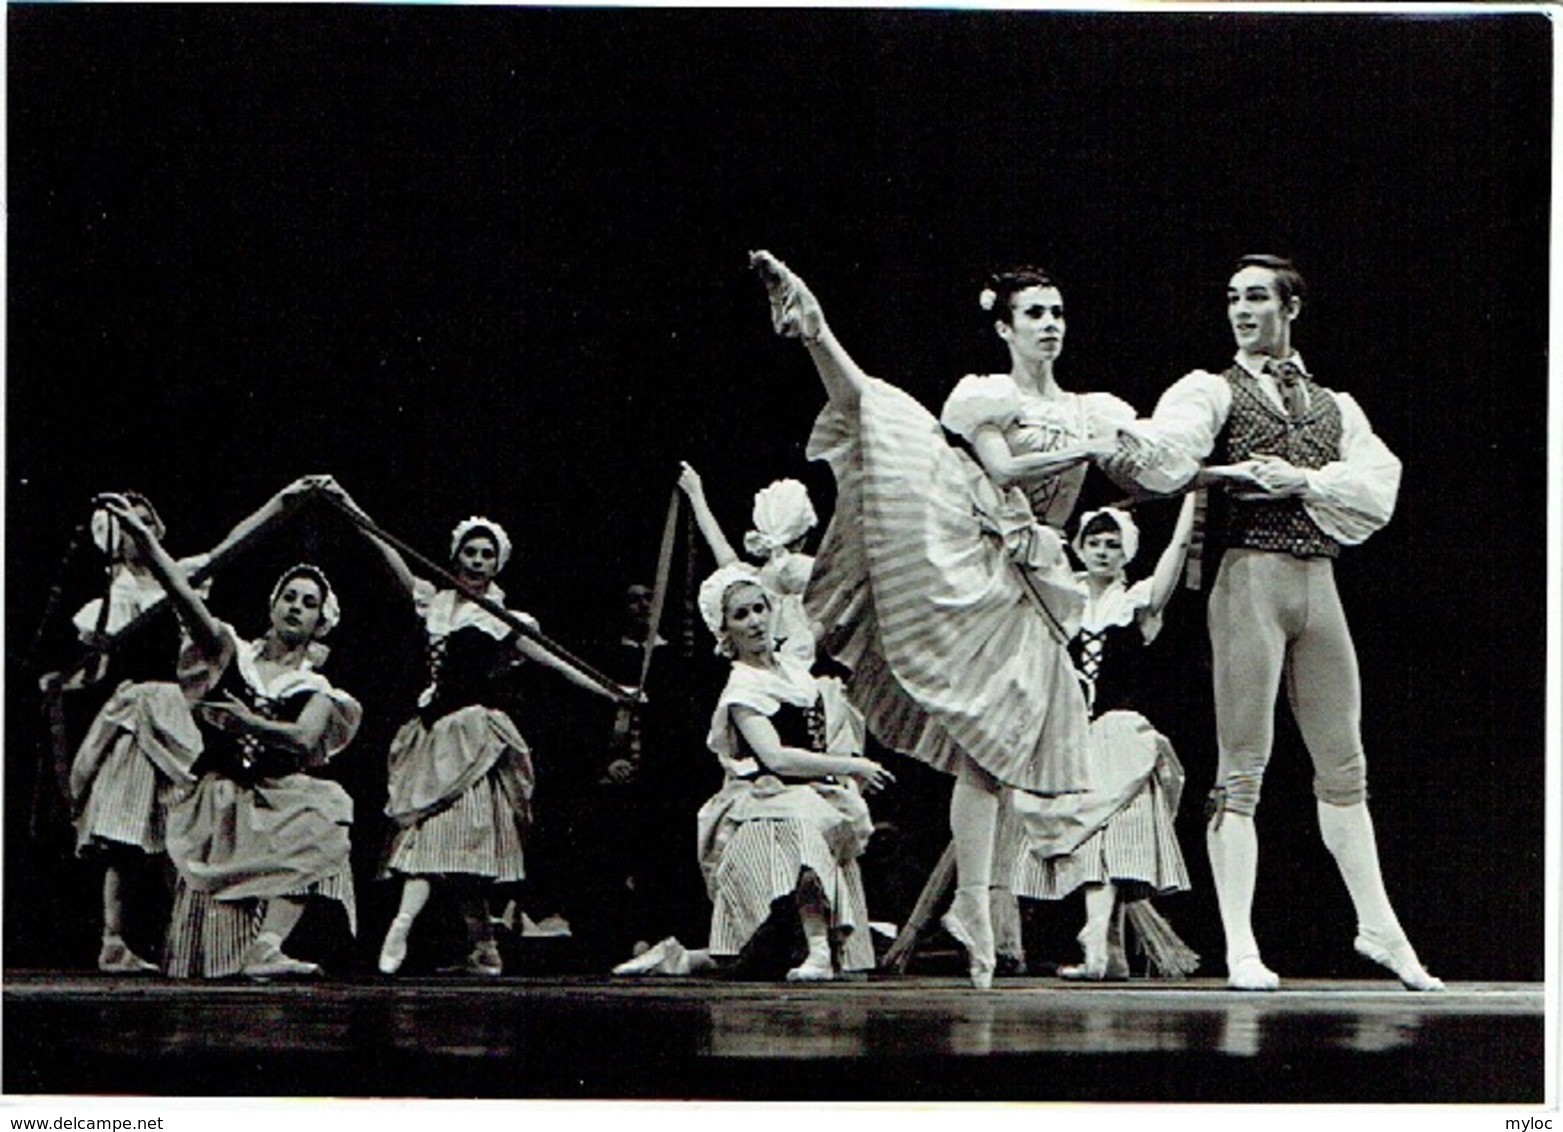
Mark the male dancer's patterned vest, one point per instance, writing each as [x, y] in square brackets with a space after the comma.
[1255, 425]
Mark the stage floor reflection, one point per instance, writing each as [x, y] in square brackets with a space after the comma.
[883, 1039]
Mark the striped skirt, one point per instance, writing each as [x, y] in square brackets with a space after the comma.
[133, 766]
[1120, 833]
[207, 938]
[927, 581]
[757, 837]
[237, 846]
[460, 794]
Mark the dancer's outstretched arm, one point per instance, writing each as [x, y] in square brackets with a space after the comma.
[1005, 467]
[268, 512]
[760, 733]
[796, 313]
[690, 484]
[393, 558]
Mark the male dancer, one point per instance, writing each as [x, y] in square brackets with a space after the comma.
[1302, 474]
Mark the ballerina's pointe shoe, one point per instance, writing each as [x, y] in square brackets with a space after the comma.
[1399, 957]
[981, 961]
[1248, 972]
[116, 958]
[795, 313]
[666, 958]
[812, 970]
[394, 950]
[265, 960]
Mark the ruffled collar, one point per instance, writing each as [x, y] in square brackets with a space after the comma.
[286, 682]
[450, 611]
[1117, 605]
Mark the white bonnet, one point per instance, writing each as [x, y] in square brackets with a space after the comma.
[102, 522]
[1127, 530]
[782, 515]
[478, 523]
[714, 589]
[330, 607]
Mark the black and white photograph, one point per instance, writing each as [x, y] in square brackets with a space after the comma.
[826, 554]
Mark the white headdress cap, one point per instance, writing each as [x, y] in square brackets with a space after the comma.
[466, 527]
[713, 591]
[330, 607]
[782, 515]
[1128, 531]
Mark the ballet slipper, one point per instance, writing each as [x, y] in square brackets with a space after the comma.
[1399, 957]
[795, 312]
[116, 958]
[1248, 972]
[393, 952]
[974, 932]
[812, 970]
[265, 960]
[666, 958]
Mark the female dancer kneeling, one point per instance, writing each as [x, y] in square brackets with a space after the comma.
[260, 835]
[1118, 841]
[137, 759]
[951, 595]
[789, 822]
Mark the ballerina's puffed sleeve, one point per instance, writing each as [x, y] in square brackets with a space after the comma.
[1105, 413]
[1354, 496]
[347, 714]
[746, 687]
[980, 399]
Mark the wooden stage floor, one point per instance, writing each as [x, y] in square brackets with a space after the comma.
[883, 1039]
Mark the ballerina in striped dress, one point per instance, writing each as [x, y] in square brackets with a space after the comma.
[136, 760]
[943, 580]
[461, 778]
[789, 822]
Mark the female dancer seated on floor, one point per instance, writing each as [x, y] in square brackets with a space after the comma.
[952, 598]
[137, 758]
[789, 822]
[783, 515]
[1118, 841]
[461, 778]
[260, 835]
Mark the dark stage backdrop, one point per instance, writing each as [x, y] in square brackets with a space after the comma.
[494, 261]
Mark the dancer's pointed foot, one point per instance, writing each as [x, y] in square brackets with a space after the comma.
[1399, 957]
[795, 312]
[393, 952]
[967, 920]
[116, 958]
[1248, 972]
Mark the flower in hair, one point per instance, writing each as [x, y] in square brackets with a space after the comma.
[987, 298]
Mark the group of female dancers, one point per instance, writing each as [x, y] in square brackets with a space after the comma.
[944, 587]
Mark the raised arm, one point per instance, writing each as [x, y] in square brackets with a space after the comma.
[760, 734]
[796, 313]
[393, 558]
[198, 621]
[1164, 579]
[268, 513]
[689, 482]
